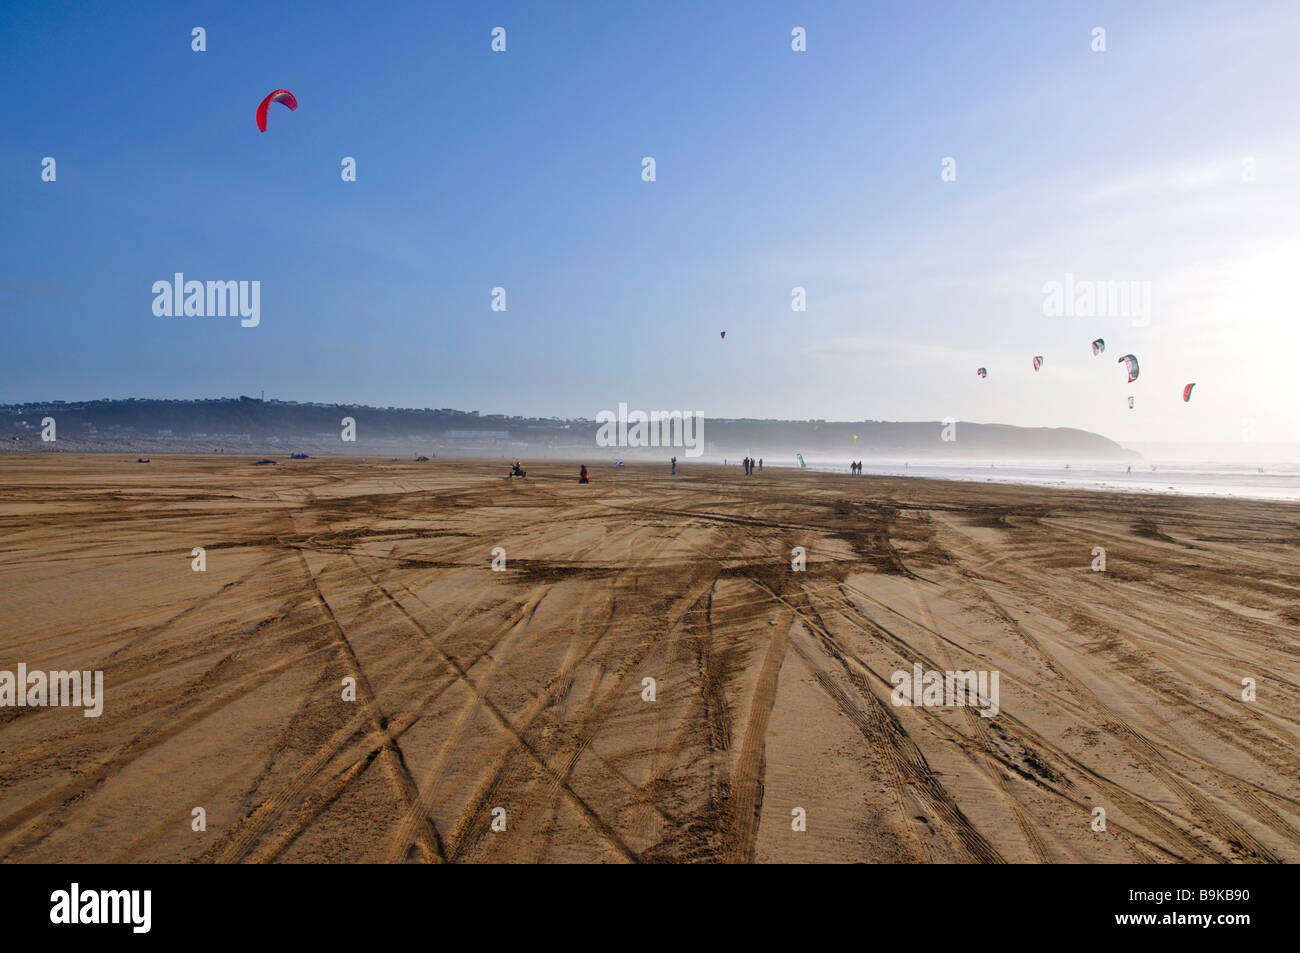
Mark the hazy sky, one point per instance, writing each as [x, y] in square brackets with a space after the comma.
[775, 169]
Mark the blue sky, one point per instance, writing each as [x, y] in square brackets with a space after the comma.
[775, 169]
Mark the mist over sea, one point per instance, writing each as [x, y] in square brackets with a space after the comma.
[1277, 481]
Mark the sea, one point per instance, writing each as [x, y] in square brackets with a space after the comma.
[1270, 481]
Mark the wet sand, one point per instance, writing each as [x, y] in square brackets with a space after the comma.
[522, 690]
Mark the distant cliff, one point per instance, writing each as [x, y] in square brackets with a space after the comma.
[247, 424]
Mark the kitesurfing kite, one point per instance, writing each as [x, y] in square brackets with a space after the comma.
[982, 372]
[1187, 393]
[724, 335]
[279, 96]
[1098, 346]
[1038, 361]
[1132, 363]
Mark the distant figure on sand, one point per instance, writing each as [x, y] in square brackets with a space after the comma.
[582, 475]
[760, 463]
[674, 466]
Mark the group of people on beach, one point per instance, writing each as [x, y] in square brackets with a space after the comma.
[856, 468]
[750, 463]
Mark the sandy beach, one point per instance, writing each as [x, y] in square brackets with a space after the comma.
[518, 698]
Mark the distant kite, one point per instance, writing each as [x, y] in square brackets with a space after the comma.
[1098, 346]
[982, 372]
[1187, 393]
[1038, 362]
[1132, 363]
[279, 96]
[1130, 403]
[724, 335]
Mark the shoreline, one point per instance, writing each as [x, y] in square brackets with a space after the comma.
[974, 475]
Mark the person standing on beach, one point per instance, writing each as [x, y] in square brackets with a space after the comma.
[582, 475]
[760, 463]
[674, 466]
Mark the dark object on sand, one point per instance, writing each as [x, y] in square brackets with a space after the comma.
[421, 459]
[517, 471]
[142, 460]
[266, 463]
[582, 475]
[299, 456]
